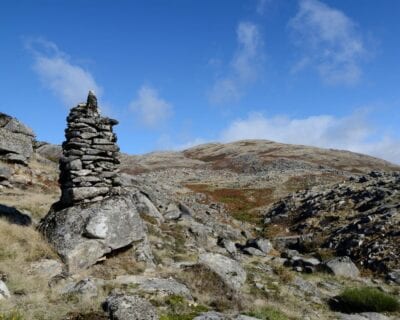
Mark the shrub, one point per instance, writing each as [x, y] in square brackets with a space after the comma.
[268, 313]
[365, 299]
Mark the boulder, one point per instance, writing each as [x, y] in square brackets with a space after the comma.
[363, 316]
[4, 292]
[211, 315]
[394, 276]
[342, 266]
[159, 286]
[16, 140]
[230, 271]
[129, 307]
[85, 287]
[46, 268]
[84, 233]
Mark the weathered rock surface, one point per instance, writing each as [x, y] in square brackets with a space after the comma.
[129, 307]
[358, 218]
[363, 316]
[342, 266]
[90, 156]
[16, 140]
[4, 292]
[84, 233]
[228, 269]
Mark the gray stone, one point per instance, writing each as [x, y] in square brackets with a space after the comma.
[146, 207]
[212, 315]
[229, 246]
[230, 271]
[82, 234]
[5, 173]
[264, 245]
[86, 287]
[4, 292]
[88, 192]
[162, 287]
[47, 268]
[394, 276]
[75, 165]
[342, 266]
[129, 307]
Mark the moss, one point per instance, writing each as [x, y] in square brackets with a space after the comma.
[180, 309]
[365, 299]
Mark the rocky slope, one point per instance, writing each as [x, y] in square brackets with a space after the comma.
[246, 230]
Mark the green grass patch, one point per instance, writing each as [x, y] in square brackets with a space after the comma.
[13, 315]
[268, 313]
[365, 299]
[180, 309]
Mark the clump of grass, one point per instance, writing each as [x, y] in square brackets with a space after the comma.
[268, 313]
[365, 299]
[180, 309]
[14, 315]
[284, 274]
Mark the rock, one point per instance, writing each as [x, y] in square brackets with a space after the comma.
[82, 234]
[16, 140]
[146, 207]
[230, 271]
[86, 287]
[262, 244]
[129, 307]
[253, 251]
[162, 287]
[47, 268]
[5, 173]
[211, 315]
[342, 266]
[229, 246]
[244, 317]
[12, 215]
[4, 292]
[394, 276]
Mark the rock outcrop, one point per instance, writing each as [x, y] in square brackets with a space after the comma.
[90, 155]
[93, 216]
[358, 218]
[16, 140]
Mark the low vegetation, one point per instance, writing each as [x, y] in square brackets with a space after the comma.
[366, 299]
[268, 313]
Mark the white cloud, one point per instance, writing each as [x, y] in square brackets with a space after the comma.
[352, 133]
[150, 108]
[244, 66]
[261, 6]
[330, 41]
[66, 80]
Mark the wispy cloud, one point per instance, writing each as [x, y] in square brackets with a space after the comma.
[262, 6]
[151, 110]
[68, 81]
[243, 68]
[330, 41]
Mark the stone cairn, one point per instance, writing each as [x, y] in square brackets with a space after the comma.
[89, 165]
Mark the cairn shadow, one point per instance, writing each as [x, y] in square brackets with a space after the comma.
[14, 216]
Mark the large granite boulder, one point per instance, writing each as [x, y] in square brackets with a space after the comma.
[16, 140]
[84, 233]
[342, 266]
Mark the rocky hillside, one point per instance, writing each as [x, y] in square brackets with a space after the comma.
[246, 230]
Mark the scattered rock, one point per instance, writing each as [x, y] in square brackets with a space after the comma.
[363, 316]
[47, 268]
[394, 276]
[86, 287]
[129, 307]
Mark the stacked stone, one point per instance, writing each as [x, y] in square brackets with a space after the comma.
[89, 165]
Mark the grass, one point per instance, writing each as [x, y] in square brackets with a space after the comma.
[268, 313]
[365, 299]
[180, 309]
[240, 203]
[13, 315]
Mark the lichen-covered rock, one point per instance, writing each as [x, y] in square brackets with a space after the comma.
[129, 307]
[16, 140]
[230, 271]
[83, 233]
[342, 266]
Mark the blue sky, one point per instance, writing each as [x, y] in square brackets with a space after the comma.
[177, 73]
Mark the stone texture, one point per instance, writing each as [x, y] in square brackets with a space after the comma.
[230, 271]
[89, 151]
[342, 266]
[84, 233]
[16, 140]
[129, 307]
